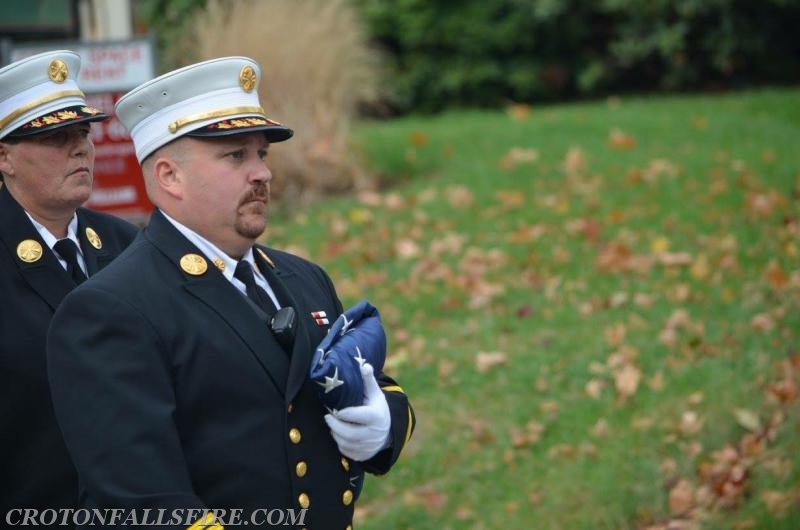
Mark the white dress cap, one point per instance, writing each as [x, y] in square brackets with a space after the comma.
[211, 98]
[39, 93]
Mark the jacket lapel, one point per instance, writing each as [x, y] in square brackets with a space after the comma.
[301, 352]
[214, 290]
[45, 275]
[90, 239]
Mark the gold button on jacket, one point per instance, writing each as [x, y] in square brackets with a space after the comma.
[303, 500]
[294, 436]
[347, 497]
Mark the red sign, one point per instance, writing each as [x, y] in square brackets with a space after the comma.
[118, 183]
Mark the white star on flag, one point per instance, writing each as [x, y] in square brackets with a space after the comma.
[359, 358]
[347, 324]
[331, 382]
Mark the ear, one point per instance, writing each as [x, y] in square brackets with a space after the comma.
[168, 176]
[6, 167]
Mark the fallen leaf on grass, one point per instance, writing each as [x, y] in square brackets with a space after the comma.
[517, 156]
[594, 388]
[621, 141]
[432, 501]
[510, 199]
[699, 122]
[600, 429]
[485, 361]
[460, 196]
[418, 139]
[659, 244]
[748, 419]
[528, 436]
[482, 432]
[762, 205]
[778, 503]
[462, 512]
[681, 498]
[615, 335]
[691, 423]
[574, 161]
[674, 259]
[775, 277]
[762, 322]
[518, 111]
[626, 380]
[406, 249]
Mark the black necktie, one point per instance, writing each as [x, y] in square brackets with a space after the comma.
[244, 273]
[68, 250]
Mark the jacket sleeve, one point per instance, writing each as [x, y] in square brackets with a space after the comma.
[403, 423]
[114, 401]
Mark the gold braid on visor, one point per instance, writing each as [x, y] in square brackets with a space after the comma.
[222, 113]
[41, 101]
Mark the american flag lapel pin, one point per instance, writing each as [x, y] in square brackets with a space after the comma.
[320, 317]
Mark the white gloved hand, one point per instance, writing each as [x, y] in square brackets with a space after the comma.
[362, 431]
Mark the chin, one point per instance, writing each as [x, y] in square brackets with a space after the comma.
[251, 229]
[79, 197]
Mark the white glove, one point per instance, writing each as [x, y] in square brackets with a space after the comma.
[362, 431]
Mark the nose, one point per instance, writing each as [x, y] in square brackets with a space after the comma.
[261, 173]
[81, 144]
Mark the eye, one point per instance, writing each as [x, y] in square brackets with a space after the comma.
[237, 155]
[56, 138]
[262, 154]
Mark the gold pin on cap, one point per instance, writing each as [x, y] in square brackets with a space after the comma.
[218, 263]
[58, 71]
[266, 258]
[29, 251]
[94, 239]
[247, 78]
[194, 264]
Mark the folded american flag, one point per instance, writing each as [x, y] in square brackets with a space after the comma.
[356, 337]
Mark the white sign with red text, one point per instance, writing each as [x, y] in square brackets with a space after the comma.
[105, 67]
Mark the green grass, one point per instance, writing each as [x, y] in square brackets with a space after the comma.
[463, 254]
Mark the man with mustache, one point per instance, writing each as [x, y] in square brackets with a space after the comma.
[182, 383]
[48, 244]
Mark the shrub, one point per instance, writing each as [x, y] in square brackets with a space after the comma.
[475, 52]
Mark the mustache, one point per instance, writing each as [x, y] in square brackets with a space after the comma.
[259, 193]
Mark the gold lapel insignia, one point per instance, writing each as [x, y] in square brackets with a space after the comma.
[194, 264]
[266, 258]
[94, 239]
[29, 251]
[218, 263]
[248, 78]
[58, 71]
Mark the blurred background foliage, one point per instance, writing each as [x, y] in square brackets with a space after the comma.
[327, 63]
[468, 53]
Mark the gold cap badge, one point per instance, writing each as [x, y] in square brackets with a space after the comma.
[58, 71]
[94, 239]
[266, 258]
[29, 251]
[247, 78]
[194, 264]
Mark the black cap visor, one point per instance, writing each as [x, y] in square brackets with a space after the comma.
[273, 131]
[58, 118]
